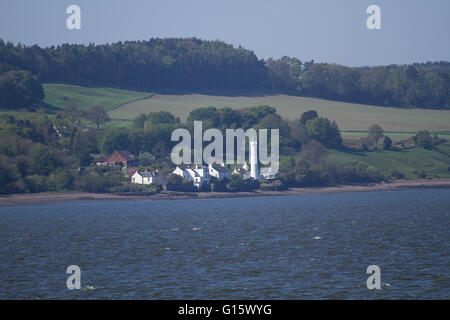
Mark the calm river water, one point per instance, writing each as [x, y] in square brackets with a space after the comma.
[289, 247]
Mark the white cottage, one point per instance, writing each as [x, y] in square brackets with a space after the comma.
[218, 171]
[147, 177]
[198, 175]
[243, 171]
[268, 173]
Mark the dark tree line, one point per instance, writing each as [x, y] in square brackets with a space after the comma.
[425, 85]
[18, 88]
[194, 64]
[184, 64]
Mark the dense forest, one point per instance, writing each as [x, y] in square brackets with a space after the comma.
[184, 64]
[193, 64]
[425, 85]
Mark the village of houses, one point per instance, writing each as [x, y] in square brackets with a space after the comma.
[197, 174]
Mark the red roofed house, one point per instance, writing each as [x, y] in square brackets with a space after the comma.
[130, 172]
[120, 159]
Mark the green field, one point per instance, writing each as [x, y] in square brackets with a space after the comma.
[395, 136]
[349, 116]
[410, 162]
[56, 95]
[353, 119]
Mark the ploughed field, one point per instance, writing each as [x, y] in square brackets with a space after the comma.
[353, 119]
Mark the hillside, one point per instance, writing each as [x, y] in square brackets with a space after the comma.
[353, 119]
[349, 116]
[413, 163]
[57, 95]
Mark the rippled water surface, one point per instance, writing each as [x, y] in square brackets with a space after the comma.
[290, 247]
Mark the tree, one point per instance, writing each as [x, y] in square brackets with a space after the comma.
[160, 149]
[113, 139]
[71, 110]
[314, 152]
[162, 117]
[62, 180]
[284, 74]
[228, 118]
[19, 89]
[423, 139]
[146, 159]
[43, 160]
[387, 143]
[376, 133]
[274, 121]
[5, 179]
[83, 144]
[98, 115]
[208, 115]
[174, 179]
[308, 115]
[140, 120]
[324, 131]
[237, 183]
[251, 116]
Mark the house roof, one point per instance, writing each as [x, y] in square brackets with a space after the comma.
[241, 170]
[131, 171]
[267, 171]
[100, 159]
[120, 156]
[193, 172]
[146, 174]
[220, 168]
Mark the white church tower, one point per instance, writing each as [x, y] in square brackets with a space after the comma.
[254, 170]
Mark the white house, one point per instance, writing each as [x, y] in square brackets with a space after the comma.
[218, 171]
[268, 173]
[198, 175]
[147, 177]
[243, 171]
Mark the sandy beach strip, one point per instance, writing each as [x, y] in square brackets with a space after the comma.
[36, 198]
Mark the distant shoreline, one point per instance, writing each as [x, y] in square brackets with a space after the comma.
[46, 197]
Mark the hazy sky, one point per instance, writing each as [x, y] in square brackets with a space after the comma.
[324, 30]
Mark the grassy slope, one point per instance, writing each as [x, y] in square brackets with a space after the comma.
[349, 116]
[85, 97]
[353, 119]
[435, 163]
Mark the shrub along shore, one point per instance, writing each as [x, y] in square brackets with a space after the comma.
[46, 197]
